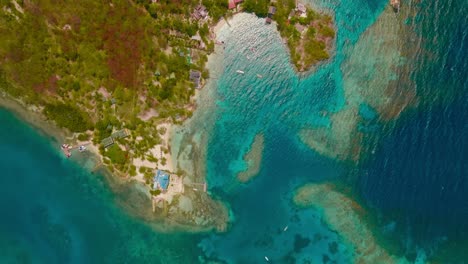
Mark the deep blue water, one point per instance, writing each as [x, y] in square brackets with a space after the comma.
[418, 176]
[412, 176]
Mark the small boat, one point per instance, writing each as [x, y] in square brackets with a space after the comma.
[285, 228]
[240, 72]
[82, 148]
[267, 259]
[259, 76]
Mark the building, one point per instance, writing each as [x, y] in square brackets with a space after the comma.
[233, 3]
[161, 180]
[195, 77]
[123, 133]
[199, 41]
[107, 142]
[200, 12]
[271, 11]
[301, 10]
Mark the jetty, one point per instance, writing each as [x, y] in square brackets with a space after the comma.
[66, 148]
[202, 185]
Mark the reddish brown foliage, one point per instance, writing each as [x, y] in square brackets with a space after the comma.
[49, 85]
[122, 44]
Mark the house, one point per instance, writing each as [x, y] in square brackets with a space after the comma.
[123, 133]
[301, 10]
[107, 142]
[195, 77]
[271, 11]
[199, 41]
[233, 3]
[200, 12]
[161, 180]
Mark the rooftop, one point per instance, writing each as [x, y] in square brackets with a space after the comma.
[123, 133]
[272, 10]
[195, 77]
[107, 142]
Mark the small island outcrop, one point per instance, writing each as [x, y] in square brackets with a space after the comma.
[308, 34]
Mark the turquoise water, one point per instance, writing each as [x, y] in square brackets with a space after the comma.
[53, 211]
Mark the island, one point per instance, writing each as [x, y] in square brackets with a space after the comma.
[309, 34]
[115, 78]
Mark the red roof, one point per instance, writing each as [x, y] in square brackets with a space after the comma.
[231, 4]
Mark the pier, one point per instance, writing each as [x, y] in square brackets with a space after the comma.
[66, 148]
[202, 185]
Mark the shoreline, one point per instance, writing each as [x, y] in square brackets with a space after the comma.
[31, 116]
[136, 186]
[204, 211]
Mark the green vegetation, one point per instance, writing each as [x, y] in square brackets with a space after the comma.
[96, 67]
[155, 192]
[116, 155]
[68, 116]
[259, 7]
[100, 66]
[308, 36]
[216, 8]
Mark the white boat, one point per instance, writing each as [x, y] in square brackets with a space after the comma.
[240, 72]
[267, 259]
[259, 76]
[285, 228]
[82, 148]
